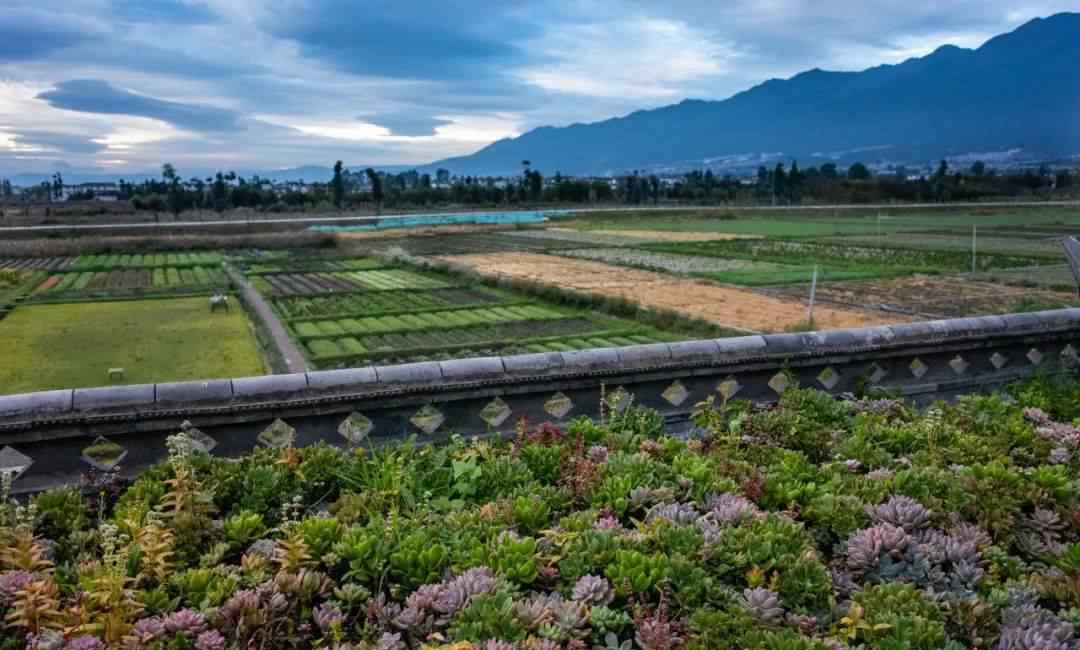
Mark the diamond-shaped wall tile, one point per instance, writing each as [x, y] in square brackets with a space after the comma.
[278, 435]
[877, 373]
[918, 368]
[356, 428]
[959, 365]
[496, 412]
[1034, 356]
[428, 419]
[558, 405]
[199, 439]
[828, 378]
[619, 399]
[1068, 352]
[13, 462]
[729, 388]
[104, 454]
[998, 360]
[779, 383]
[676, 393]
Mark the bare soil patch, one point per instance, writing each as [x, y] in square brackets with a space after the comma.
[723, 305]
[930, 296]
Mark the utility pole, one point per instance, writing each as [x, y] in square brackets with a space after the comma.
[813, 292]
[973, 228]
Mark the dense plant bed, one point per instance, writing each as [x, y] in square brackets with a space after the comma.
[813, 524]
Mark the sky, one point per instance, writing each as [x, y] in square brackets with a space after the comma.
[125, 85]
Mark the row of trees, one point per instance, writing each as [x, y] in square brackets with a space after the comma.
[782, 184]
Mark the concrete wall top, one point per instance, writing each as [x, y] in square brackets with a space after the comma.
[599, 361]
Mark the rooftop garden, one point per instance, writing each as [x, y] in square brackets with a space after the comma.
[813, 524]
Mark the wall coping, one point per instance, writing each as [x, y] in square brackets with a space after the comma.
[437, 376]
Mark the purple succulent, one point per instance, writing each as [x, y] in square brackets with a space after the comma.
[594, 590]
[12, 581]
[85, 642]
[679, 514]
[597, 454]
[905, 512]
[656, 633]
[327, 616]
[185, 621]
[607, 522]
[1026, 626]
[496, 644]
[536, 610]
[763, 604]
[45, 640]
[728, 508]
[866, 547]
[390, 641]
[149, 629]
[210, 640]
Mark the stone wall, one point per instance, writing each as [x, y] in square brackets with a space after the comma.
[47, 434]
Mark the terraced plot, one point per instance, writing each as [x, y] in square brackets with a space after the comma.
[301, 284]
[986, 243]
[732, 271]
[36, 263]
[377, 303]
[401, 315]
[119, 281]
[293, 265]
[146, 260]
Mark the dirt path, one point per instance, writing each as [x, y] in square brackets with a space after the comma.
[720, 304]
[290, 354]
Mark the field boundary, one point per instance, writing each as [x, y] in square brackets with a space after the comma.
[263, 315]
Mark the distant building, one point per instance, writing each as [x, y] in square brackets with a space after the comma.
[97, 191]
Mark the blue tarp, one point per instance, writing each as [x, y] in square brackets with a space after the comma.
[455, 219]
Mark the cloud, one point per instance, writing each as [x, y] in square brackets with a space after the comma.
[55, 142]
[406, 124]
[28, 34]
[414, 40]
[98, 96]
[169, 11]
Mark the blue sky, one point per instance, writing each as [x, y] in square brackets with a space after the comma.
[124, 85]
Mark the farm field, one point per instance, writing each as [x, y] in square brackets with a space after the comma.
[1053, 276]
[994, 243]
[401, 315]
[146, 260]
[135, 280]
[726, 306]
[823, 224]
[509, 241]
[620, 237]
[74, 345]
[933, 297]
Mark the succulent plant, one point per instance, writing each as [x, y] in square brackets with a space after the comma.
[902, 511]
[210, 640]
[13, 581]
[1026, 626]
[676, 513]
[148, 629]
[85, 642]
[185, 621]
[763, 604]
[728, 508]
[327, 616]
[594, 590]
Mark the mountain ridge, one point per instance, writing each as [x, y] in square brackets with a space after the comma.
[1015, 91]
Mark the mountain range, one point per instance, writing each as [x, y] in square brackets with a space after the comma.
[1018, 92]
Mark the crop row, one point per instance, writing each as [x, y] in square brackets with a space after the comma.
[131, 279]
[465, 244]
[298, 284]
[550, 336]
[460, 318]
[316, 266]
[814, 252]
[36, 263]
[137, 260]
[374, 303]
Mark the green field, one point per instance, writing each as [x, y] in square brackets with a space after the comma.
[45, 347]
[821, 223]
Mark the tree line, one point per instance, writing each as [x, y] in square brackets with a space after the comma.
[780, 185]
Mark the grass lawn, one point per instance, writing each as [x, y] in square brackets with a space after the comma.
[73, 345]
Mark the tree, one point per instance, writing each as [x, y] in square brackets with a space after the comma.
[175, 192]
[978, 169]
[338, 184]
[858, 172]
[828, 172]
[375, 180]
[57, 186]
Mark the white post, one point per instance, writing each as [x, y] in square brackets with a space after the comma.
[813, 291]
[973, 227]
